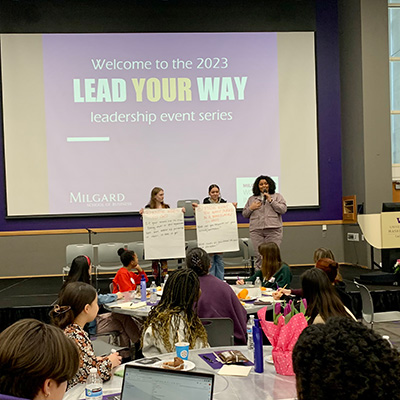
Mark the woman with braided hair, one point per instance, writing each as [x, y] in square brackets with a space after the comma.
[217, 299]
[176, 312]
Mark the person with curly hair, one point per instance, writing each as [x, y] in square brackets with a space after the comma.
[176, 312]
[344, 359]
[217, 299]
[264, 209]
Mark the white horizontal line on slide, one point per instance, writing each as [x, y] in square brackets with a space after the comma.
[88, 139]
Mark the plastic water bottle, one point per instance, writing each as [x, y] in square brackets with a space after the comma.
[153, 293]
[257, 284]
[258, 347]
[250, 342]
[94, 386]
[143, 293]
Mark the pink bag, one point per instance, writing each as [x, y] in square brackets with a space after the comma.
[283, 338]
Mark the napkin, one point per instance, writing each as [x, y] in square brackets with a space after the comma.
[234, 370]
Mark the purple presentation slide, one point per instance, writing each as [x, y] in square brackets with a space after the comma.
[127, 112]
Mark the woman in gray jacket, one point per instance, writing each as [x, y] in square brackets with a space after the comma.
[265, 209]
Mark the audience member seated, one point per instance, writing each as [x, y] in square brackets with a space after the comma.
[175, 318]
[217, 299]
[343, 359]
[331, 268]
[126, 280]
[322, 299]
[128, 328]
[77, 306]
[323, 252]
[36, 361]
[273, 273]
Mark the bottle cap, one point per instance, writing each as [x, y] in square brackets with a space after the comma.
[93, 370]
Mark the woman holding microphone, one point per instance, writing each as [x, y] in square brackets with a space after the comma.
[265, 209]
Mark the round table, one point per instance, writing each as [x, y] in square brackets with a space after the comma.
[143, 312]
[266, 386]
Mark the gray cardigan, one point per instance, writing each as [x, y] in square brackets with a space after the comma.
[269, 215]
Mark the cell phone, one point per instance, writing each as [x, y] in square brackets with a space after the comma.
[148, 361]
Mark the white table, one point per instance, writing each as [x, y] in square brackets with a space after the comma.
[143, 312]
[266, 386]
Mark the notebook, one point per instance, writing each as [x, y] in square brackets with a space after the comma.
[146, 383]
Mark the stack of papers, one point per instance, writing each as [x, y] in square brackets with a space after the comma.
[129, 305]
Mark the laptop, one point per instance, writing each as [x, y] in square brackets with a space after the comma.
[148, 383]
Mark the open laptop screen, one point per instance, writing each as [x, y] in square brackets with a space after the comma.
[146, 383]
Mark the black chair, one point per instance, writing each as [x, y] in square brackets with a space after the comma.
[368, 313]
[220, 331]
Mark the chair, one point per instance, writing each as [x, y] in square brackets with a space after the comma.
[189, 212]
[103, 347]
[237, 258]
[250, 253]
[220, 331]
[74, 250]
[109, 260]
[368, 313]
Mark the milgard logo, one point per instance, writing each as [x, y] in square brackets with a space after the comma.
[96, 197]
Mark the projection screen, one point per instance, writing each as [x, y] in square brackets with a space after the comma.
[92, 122]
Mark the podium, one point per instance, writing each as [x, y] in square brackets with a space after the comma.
[382, 231]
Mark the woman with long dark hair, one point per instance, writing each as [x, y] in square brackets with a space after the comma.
[217, 261]
[77, 306]
[322, 299]
[264, 209]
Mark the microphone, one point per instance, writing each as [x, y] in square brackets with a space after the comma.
[265, 197]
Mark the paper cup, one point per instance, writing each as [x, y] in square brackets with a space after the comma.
[182, 350]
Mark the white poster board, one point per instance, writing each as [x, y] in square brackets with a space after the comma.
[390, 230]
[163, 233]
[216, 226]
